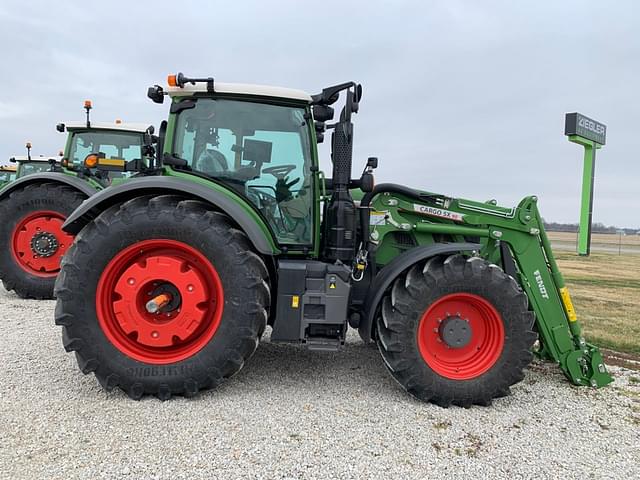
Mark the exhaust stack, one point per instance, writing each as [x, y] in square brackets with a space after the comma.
[340, 220]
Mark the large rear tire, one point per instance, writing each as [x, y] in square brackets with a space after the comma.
[32, 242]
[210, 321]
[456, 331]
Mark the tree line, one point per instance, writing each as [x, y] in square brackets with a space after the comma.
[596, 227]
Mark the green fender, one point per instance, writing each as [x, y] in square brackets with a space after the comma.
[49, 177]
[223, 199]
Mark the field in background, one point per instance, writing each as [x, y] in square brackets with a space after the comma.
[605, 289]
[600, 242]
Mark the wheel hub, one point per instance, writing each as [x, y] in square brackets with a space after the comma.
[455, 332]
[164, 298]
[44, 244]
[38, 243]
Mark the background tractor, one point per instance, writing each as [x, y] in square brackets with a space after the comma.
[34, 207]
[7, 174]
[173, 276]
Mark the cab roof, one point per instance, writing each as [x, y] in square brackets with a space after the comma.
[34, 158]
[122, 127]
[241, 89]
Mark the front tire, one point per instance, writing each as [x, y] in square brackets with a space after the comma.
[32, 242]
[216, 297]
[456, 331]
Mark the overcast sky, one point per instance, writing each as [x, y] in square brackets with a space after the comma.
[465, 98]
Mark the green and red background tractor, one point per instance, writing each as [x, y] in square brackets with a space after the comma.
[35, 205]
[174, 275]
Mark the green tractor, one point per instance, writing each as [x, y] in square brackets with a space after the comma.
[35, 205]
[7, 174]
[174, 276]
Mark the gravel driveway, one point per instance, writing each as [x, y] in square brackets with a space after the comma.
[291, 413]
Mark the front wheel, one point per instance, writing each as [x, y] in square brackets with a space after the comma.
[456, 331]
[162, 296]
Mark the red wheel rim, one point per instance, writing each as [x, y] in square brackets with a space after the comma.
[38, 243]
[135, 276]
[485, 340]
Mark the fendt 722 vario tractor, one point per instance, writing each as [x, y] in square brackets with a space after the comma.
[34, 207]
[174, 276]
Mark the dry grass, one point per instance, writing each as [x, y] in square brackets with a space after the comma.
[603, 239]
[605, 289]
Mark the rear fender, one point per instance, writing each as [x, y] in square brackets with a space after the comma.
[49, 177]
[252, 225]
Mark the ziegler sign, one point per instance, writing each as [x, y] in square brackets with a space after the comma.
[578, 124]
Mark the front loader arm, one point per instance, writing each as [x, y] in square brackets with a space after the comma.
[558, 326]
[522, 230]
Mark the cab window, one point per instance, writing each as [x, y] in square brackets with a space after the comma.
[114, 144]
[262, 151]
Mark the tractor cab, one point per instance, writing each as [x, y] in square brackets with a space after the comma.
[260, 142]
[257, 141]
[28, 164]
[115, 142]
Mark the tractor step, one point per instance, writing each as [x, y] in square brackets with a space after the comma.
[323, 344]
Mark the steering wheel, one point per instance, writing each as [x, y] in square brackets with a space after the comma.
[280, 171]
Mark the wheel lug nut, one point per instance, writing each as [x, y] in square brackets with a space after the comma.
[155, 334]
[190, 288]
[131, 281]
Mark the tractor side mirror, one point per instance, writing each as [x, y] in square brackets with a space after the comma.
[367, 182]
[156, 94]
[322, 113]
[372, 162]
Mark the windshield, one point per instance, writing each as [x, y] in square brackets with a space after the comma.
[27, 168]
[260, 150]
[114, 144]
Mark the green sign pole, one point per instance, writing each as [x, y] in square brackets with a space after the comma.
[591, 135]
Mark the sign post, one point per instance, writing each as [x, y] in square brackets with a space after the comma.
[592, 136]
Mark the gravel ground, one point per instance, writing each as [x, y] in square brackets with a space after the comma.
[291, 413]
